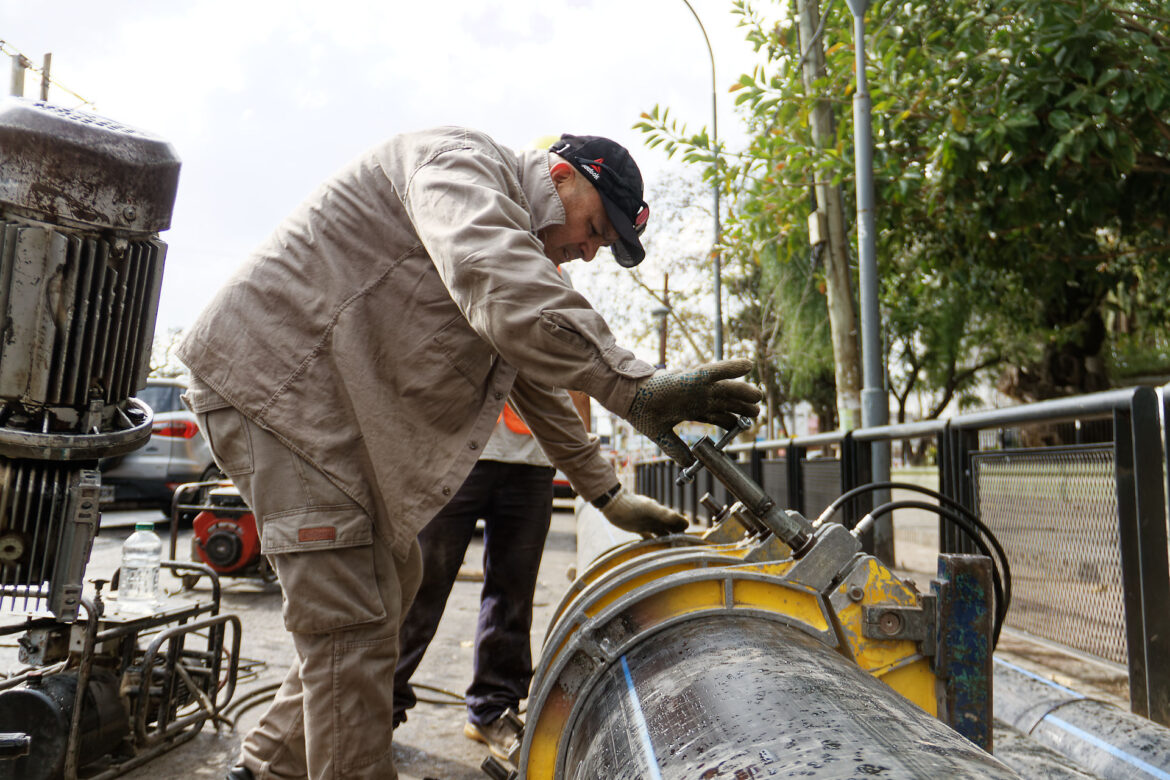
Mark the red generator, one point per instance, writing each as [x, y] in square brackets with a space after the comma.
[225, 536]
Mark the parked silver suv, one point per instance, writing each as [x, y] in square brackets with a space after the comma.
[176, 453]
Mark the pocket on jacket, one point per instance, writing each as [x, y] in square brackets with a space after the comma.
[325, 561]
[469, 354]
[229, 434]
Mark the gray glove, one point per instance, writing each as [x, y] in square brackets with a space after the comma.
[642, 515]
[707, 394]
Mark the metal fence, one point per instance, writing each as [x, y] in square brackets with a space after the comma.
[1083, 518]
[1055, 512]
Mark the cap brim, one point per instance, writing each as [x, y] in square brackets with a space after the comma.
[628, 249]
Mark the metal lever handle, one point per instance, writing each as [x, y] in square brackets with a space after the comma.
[741, 424]
[788, 527]
[14, 744]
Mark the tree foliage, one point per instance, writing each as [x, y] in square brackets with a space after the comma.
[678, 246]
[1022, 172]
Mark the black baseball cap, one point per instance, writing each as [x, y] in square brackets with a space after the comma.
[611, 169]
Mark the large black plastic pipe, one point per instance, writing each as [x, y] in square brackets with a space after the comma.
[744, 696]
[1109, 742]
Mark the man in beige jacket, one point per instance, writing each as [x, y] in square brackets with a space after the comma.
[349, 372]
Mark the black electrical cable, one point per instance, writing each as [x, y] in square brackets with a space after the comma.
[1001, 599]
[869, 487]
[944, 500]
[452, 699]
[1003, 571]
[998, 580]
[256, 695]
[251, 704]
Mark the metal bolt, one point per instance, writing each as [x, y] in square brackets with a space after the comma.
[856, 593]
[710, 504]
[513, 722]
[890, 623]
[130, 213]
[492, 767]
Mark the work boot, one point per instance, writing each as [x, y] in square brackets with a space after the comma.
[240, 773]
[497, 735]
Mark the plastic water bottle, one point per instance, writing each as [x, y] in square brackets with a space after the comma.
[138, 582]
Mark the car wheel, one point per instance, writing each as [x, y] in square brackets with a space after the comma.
[210, 474]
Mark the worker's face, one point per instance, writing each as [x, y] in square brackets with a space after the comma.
[587, 227]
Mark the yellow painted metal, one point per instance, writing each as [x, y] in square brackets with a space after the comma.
[896, 662]
[730, 529]
[619, 556]
[800, 606]
[671, 565]
[656, 608]
[542, 755]
[755, 586]
[685, 599]
[881, 587]
[616, 592]
[734, 552]
[730, 535]
[688, 597]
[916, 682]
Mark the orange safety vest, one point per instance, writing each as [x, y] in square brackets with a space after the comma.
[513, 421]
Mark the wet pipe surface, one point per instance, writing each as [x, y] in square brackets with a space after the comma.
[744, 697]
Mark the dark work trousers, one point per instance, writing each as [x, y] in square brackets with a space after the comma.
[515, 502]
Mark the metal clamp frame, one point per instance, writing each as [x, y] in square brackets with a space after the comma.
[138, 419]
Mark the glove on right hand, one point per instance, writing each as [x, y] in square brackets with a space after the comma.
[642, 515]
[705, 394]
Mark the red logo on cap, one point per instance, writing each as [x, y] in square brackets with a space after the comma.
[640, 219]
[597, 168]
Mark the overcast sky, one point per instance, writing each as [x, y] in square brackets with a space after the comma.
[263, 100]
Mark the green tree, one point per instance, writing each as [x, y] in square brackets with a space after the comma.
[784, 319]
[163, 360]
[678, 242]
[783, 326]
[1022, 160]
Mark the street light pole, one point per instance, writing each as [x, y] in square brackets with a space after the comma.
[875, 403]
[716, 260]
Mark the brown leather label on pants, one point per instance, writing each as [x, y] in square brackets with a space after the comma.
[322, 533]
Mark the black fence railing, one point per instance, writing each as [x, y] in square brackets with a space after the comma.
[1075, 488]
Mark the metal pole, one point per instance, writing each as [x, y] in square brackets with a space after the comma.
[716, 259]
[16, 85]
[875, 407]
[45, 76]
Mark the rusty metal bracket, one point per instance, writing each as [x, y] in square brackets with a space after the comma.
[897, 622]
[964, 638]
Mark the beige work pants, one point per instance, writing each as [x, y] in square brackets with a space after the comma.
[332, 717]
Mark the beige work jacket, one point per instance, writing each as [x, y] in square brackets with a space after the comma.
[379, 329]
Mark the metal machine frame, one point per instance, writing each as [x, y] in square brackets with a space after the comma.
[187, 686]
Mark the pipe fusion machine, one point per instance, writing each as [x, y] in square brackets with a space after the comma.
[98, 691]
[767, 646]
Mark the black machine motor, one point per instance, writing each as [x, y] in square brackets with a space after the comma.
[43, 710]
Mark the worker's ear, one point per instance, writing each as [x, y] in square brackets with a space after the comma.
[562, 172]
